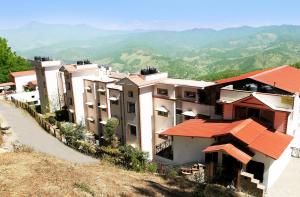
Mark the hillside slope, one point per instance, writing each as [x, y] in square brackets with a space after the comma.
[36, 174]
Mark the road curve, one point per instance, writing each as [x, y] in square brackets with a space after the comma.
[29, 132]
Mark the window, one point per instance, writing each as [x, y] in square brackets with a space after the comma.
[132, 130]
[102, 93]
[70, 101]
[178, 111]
[89, 89]
[188, 117]
[161, 113]
[163, 92]
[131, 107]
[32, 96]
[90, 106]
[189, 94]
[103, 109]
[202, 97]
[130, 94]
[68, 86]
[116, 102]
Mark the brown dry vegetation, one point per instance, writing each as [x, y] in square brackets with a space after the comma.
[1, 139]
[36, 174]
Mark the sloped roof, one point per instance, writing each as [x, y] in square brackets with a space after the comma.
[230, 150]
[22, 73]
[7, 84]
[250, 132]
[283, 77]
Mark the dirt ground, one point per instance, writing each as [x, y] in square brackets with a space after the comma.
[39, 174]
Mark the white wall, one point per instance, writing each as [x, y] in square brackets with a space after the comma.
[188, 149]
[21, 81]
[197, 108]
[273, 168]
[78, 93]
[27, 96]
[146, 111]
[162, 123]
[51, 75]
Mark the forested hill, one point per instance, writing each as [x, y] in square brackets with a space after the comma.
[10, 61]
[193, 54]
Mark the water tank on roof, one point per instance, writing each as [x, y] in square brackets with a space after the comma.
[266, 89]
[250, 87]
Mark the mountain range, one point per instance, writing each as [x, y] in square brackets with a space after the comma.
[194, 54]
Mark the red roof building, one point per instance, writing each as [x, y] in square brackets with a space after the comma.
[283, 77]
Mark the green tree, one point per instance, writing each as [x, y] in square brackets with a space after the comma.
[110, 131]
[10, 61]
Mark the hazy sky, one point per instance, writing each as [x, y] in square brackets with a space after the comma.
[151, 14]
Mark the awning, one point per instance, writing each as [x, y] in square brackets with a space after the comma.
[162, 109]
[102, 106]
[189, 113]
[230, 150]
[113, 98]
[101, 90]
[71, 110]
[90, 119]
[89, 103]
[87, 88]
[103, 122]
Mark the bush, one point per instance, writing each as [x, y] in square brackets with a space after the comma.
[132, 158]
[87, 148]
[110, 132]
[171, 173]
[51, 120]
[152, 167]
[62, 115]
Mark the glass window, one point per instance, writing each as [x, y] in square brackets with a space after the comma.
[132, 130]
[160, 113]
[115, 102]
[131, 107]
[130, 94]
[163, 92]
[189, 94]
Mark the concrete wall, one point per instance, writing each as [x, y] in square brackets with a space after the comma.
[146, 120]
[273, 168]
[162, 123]
[188, 149]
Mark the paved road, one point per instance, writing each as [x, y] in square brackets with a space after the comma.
[288, 182]
[30, 133]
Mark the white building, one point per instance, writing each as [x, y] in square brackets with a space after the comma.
[22, 78]
[50, 83]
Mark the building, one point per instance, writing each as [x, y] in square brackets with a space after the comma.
[50, 83]
[74, 75]
[259, 125]
[21, 79]
[103, 99]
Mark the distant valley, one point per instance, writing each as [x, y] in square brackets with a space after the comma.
[195, 54]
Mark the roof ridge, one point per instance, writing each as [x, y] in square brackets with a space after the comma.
[240, 126]
[268, 71]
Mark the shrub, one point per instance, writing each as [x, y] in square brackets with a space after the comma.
[62, 115]
[87, 147]
[151, 167]
[171, 173]
[51, 120]
[132, 158]
[110, 131]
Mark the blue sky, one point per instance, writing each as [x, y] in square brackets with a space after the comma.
[151, 14]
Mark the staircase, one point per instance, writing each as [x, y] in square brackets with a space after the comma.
[251, 185]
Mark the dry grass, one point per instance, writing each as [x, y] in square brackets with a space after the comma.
[36, 174]
[1, 139]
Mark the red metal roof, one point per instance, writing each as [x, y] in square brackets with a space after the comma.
[283, 77]
[22, 73]
[230, 150]
[255, 135]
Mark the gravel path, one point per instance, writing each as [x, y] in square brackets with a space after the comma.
[28, 132]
